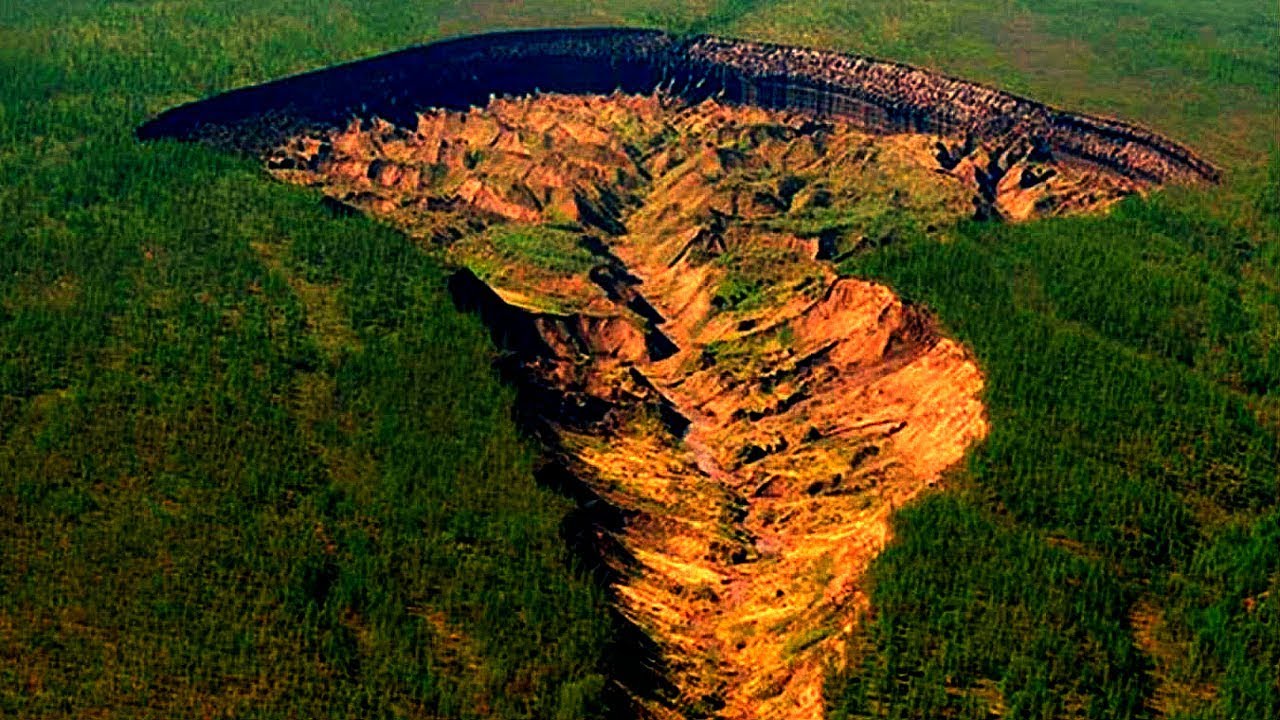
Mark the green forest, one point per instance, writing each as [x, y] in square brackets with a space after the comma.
[254, 464]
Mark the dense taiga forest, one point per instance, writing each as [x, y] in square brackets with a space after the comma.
[255, 463]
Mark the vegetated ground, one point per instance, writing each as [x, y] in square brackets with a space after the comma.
[252, 462]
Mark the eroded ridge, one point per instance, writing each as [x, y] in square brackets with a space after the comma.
[873, 95]
[662, 275]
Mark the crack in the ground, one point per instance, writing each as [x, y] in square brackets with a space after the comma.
[735, 420]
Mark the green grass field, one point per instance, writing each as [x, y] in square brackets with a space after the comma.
[254, 464]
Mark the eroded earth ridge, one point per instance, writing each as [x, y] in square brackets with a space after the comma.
[874, 95]
[661, 274]
[657, 252]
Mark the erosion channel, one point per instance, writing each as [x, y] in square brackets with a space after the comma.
[661, 272]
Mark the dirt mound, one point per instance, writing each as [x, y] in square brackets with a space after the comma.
[654, 269]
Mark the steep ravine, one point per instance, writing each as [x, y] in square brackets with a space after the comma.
[657, 253]
[741, 420]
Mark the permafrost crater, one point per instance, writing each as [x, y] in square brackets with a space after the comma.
[650, 227]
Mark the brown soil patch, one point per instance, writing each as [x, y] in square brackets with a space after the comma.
[1174, 695]
[661, 275]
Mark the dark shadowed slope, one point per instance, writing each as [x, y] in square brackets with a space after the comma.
[878, 95]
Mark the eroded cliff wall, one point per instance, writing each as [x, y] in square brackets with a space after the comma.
[876, 95]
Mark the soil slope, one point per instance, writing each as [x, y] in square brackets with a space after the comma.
[744, 420]
[875, 95]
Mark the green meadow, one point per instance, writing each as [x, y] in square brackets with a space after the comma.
[253, 463]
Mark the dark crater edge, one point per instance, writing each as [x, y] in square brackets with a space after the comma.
[876, 95]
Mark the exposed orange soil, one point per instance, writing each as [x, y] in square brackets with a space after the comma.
[1172, 695]
[757, 417]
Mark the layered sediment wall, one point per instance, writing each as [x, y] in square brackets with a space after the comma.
[876, 95]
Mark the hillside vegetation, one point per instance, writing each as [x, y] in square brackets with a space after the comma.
[254, 464]
[1112, 550]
